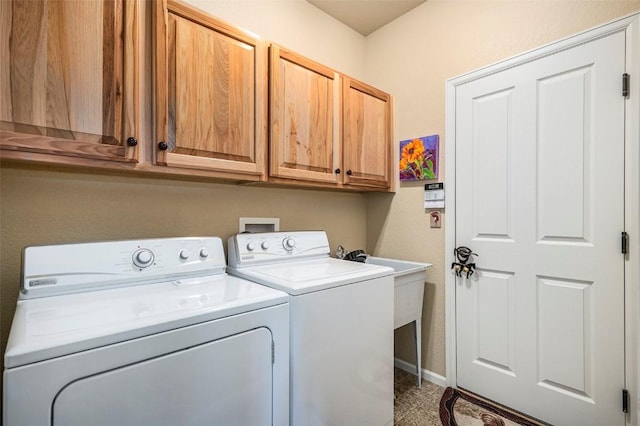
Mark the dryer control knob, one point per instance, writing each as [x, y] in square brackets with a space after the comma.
[184, 254]
[204, 253]
[265, 245]
[289, 243]
[251, 246]
[142, 258]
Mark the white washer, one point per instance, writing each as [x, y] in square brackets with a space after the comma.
[341, 334]
[169, 338]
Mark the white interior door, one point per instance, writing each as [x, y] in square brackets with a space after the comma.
[540, 198]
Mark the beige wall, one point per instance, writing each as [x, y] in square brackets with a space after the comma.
[412, 58]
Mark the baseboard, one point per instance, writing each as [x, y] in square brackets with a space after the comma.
[427, 375]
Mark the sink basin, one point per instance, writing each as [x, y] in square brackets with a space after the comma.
[409, 288]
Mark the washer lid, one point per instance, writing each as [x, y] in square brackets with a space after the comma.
[50, 327]
[306, 276]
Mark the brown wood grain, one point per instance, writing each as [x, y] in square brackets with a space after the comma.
[62, 71]
[6, 110]
[212, 92]
[367, 134]
[57, 146]
[304, 118]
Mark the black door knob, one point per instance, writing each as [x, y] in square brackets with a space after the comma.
[337, 171]
[131, 141]
[162, 146]
[349, 172]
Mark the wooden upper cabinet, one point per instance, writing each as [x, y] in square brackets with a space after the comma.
[367, 135]
[68, 78]
[211, 94]
[304, 118]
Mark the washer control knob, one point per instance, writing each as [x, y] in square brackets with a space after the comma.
[265, 245]
[143, 258]
[251, 246]
[184, 254]
[289, 243]
[204, 253]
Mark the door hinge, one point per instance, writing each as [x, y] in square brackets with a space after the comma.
[625, 401]
[273, 352]
[625, 243]
[625, 85]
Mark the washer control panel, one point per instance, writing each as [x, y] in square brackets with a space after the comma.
[250, 249]
[68, 268]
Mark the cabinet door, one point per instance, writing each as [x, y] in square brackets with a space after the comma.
[304, 118]
[212, 94]
[367, 135]
[68, 78]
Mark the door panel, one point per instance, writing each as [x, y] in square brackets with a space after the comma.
[304, 118]
[214, 383]
[540, 198]
[492, 115]
[219, 96]
[366, 134]
[564, 355]
[68, 78]
[564, 153]
[211, 94]
[495, 320]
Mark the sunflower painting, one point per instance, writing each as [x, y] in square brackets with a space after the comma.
[419, 158]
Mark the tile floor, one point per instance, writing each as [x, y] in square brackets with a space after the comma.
[413, 406]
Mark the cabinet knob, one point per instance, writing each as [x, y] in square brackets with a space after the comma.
[131, 141]
[338, 171]
[349, 172]
[162, 146]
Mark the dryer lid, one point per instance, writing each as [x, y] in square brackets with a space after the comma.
[49, 327]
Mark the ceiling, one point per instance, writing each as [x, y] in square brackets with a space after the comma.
[365, 16]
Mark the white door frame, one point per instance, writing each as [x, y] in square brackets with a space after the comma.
[630, 24]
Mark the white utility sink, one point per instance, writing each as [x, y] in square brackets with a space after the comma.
[408, 295]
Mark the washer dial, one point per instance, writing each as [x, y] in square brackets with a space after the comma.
[185, 254]
[288, 243]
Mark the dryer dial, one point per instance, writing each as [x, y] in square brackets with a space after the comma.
[143, 258]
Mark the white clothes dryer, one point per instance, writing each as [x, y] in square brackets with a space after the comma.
[341, 334]
[144, 332]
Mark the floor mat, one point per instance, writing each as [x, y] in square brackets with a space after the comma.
[459, 408]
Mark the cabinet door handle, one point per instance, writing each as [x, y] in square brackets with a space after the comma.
[349, 172]
[337, 171]
[162, 146]
[131, 141]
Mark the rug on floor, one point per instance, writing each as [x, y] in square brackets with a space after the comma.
[459, 408]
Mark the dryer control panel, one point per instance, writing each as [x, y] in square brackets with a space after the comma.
[271, 247]
[71, 268]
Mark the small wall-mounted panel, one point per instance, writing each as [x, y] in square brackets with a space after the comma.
[259, 224]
